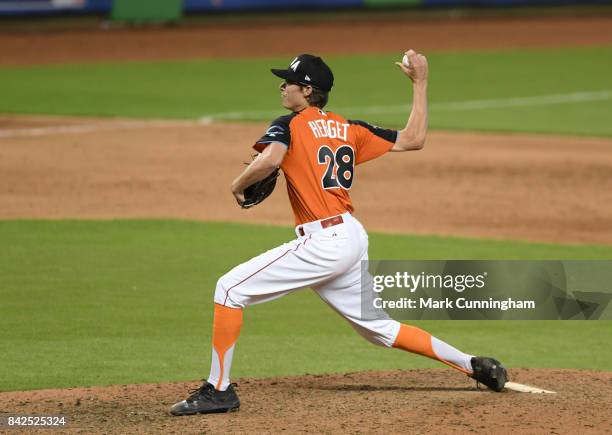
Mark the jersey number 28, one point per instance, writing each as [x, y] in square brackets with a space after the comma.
[340, 166]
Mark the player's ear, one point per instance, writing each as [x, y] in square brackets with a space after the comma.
[307, 90]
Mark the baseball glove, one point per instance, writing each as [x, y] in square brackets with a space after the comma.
[257, 192]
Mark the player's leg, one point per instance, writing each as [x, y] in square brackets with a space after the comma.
[294, 265]
[255, 281]
[344, 294]
[383, 331]
[303, 262]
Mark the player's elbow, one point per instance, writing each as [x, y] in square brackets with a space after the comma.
[419, 142]
[410, 142]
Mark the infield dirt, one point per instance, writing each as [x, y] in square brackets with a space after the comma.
[414, 401]
[540, 188]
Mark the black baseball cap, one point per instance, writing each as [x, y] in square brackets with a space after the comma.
[307, 69]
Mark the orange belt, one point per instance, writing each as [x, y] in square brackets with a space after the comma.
[325, 223]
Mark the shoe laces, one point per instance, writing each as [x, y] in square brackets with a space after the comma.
[205, 390]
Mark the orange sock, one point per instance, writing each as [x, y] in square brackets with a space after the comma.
[415, 340]
[226, 329]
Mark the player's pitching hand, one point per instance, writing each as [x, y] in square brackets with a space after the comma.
[417, 69]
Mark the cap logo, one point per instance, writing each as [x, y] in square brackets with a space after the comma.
[307, 78]
[294, 65]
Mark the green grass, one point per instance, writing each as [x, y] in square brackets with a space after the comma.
[194, 88]
[105, 302]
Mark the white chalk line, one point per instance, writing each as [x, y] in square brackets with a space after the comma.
[575, 97]
[498, 103]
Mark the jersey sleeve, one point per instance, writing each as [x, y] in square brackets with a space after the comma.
[278, 131]
[371, 141]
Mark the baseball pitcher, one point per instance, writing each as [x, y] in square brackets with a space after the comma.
[318, 151]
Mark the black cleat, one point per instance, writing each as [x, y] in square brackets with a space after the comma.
[490, 372]
[207, 400]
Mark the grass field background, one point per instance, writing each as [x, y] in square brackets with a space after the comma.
[101, 302]
[104, 302]
[197, 88]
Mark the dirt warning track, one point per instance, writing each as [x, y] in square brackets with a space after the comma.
[232, 40]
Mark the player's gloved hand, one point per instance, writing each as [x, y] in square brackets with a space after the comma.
[239, 197]
[418, 69]
[256, 192]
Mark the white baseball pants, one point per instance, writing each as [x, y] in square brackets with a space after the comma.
[325, 259]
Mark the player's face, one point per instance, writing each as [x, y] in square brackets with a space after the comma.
[293, 96]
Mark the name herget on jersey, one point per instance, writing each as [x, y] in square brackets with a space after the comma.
[329, 128]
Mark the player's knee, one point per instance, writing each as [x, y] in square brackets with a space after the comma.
[380, 333]
[223, 293]
[374, 339]
[380, 339]
[220, 291]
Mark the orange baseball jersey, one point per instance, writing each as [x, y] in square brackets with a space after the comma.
[323, 149]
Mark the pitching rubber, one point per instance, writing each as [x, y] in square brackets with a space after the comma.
[527, 389]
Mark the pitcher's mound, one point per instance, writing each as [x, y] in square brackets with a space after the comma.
[411, 401]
